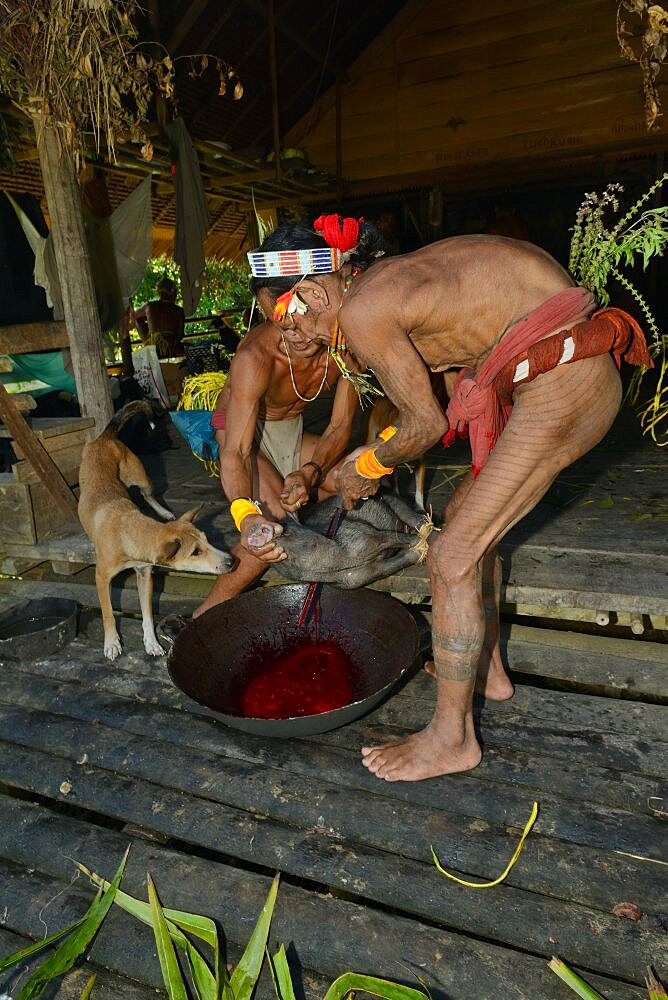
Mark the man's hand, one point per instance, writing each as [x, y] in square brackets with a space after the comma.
[351, 485]
[296, 489]
[258, 536]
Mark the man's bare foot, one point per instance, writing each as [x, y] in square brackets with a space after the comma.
[423, 755]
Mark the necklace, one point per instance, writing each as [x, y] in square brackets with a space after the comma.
[305, 399]
[361, 381]
[338, 341]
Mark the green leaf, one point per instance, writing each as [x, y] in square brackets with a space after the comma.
[351, 981]
[88, 988]
[571, 979]
[606, 503]
[31, 949]
[246, 973]
[612, 475]
[280, 973]
[194, 923]
[74, 946]
[171, 973]
[206, 984]
[177, 920]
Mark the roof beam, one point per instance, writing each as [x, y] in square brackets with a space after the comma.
[258, 98]
[295, 37]
[194, 10]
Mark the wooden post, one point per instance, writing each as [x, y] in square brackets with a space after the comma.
[127, 325]
[37, 455]
[275, 120]
[76, 281]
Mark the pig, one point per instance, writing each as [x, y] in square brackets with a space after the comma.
[373, 541]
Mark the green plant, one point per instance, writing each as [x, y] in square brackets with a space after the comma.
[601, 251]
[208, 977]
[572, 979]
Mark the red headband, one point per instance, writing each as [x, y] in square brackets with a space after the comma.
[343, 234]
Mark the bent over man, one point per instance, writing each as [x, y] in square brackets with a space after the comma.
[538, 386]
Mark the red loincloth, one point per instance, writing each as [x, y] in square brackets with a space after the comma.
[218, 416]
[482, 401]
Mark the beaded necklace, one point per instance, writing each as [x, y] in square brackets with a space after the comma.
[337, 347]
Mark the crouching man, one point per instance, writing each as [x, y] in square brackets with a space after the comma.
[268, 465]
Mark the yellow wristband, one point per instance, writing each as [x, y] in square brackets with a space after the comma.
[239, 509]
[368, 466]
[388, 433]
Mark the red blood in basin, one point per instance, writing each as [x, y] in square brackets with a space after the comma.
[311, 679]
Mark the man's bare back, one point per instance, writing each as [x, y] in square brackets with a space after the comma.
[166, 319]
[456, 298]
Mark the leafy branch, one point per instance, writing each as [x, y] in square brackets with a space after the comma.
[601, 251]
[183, 962]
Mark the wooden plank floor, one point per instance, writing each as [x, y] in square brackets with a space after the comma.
[89, 747]
[91, 753]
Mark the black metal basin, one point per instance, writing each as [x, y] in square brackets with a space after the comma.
[211, 659]
[37, 627]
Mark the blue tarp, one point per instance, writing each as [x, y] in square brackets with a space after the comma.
[195, 427]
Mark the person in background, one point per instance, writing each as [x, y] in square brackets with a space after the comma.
[162, 321]
[505, 221]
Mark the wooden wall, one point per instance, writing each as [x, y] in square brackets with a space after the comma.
[456, 89]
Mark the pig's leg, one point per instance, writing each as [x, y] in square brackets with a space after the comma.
[379, 569]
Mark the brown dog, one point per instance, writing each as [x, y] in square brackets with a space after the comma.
[124, 538]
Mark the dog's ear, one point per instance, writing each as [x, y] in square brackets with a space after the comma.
[169, 550]
[190, 515]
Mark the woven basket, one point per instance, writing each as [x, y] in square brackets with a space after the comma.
[202, 358]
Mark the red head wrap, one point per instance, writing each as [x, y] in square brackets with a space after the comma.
[343, 234]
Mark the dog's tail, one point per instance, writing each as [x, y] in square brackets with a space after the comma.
[127, 412]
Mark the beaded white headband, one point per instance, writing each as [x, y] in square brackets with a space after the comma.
[287, 263]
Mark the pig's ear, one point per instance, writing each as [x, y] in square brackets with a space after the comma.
[169, 551]
[190, 515]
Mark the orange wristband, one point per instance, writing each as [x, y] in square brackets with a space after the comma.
[368, 466]
[239, 509]
[388, 433]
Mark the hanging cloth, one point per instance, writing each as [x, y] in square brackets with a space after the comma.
[45, 273]
[192, 214]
